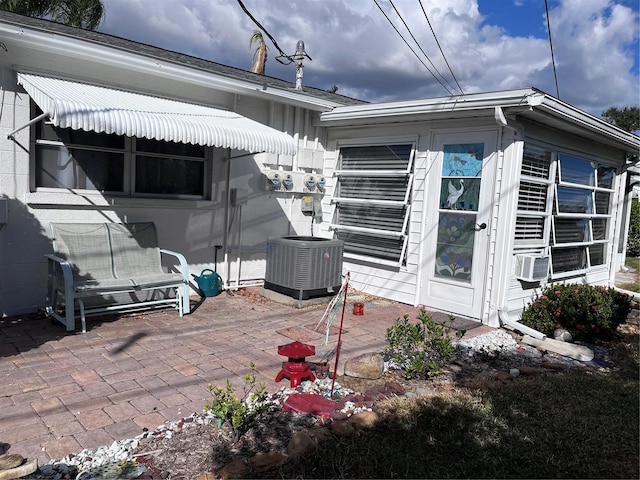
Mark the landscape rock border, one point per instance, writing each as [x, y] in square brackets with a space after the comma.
[498, 356]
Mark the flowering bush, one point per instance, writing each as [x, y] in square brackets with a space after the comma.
[587, 312]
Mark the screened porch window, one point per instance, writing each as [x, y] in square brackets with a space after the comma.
[78, 160]
[534, 205]
[581, 214]
[564, 202]
[372, 201]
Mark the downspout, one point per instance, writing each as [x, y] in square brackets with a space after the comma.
[239, 207]
[515, 325]
[503, 316]
[628, 200]
[296, 137]
[620, 225]
[227, 220]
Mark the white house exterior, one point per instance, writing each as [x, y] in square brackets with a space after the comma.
[436, 200]
[543, 195]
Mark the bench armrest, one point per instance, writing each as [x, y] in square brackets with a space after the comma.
[184, 268]
[65, 266]
[185, 306]
[69, 297]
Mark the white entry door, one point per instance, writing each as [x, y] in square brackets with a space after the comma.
[460, 189]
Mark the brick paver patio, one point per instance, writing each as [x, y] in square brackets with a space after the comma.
[62, 392]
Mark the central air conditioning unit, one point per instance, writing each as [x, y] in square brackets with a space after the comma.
[532, 268]
[304, 267]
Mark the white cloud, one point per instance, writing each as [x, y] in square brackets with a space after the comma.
[591, 39]
[354, 47]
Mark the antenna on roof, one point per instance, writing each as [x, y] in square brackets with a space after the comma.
[297, 57]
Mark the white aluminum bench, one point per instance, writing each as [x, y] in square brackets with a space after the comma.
[103, 267]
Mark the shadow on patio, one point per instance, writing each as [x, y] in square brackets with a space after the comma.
[63, 392]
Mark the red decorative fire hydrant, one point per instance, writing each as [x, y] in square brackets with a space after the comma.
[296, 369]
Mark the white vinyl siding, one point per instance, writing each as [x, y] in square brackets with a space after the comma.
[372, 201]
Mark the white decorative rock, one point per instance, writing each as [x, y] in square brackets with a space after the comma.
[562, 334]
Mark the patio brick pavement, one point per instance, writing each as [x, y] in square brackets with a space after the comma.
[62, 392]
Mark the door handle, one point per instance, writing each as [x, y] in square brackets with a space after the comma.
[482, 226]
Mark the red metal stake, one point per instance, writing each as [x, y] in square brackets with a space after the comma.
[344, 304]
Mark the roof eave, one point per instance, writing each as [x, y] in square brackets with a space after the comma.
[459, 106]
[527, 102]
[597, 127]
[60, 44]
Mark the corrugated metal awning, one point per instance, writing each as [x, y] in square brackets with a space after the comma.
[81, 106]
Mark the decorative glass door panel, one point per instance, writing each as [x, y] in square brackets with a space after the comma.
[459, 198]
[454, 253]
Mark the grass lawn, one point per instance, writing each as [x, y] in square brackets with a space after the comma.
[577, 424]
[633, 263]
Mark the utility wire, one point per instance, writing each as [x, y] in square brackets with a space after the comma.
[412, 50]
[438, 43]
[273, 40]
[420, 47]
[553, 60]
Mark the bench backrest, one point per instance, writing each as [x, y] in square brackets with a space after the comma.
[85, 247]
[107, 250]
[135, 249]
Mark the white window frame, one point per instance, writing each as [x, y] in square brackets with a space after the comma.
[129, 154]
[551, 215]
[545, 214]
[407, 173]
[588, 217]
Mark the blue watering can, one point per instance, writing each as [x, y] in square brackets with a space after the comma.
[209, 282]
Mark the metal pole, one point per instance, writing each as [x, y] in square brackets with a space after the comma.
[344, 304]
[31, 122]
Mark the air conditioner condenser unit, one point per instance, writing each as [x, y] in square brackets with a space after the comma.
[531, 267]
[304, 267]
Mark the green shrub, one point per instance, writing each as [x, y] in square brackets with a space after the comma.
[633, 241]
[419, 349]
[587, 312]
[238, 413]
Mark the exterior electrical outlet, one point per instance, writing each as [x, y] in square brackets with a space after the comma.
[304, 267]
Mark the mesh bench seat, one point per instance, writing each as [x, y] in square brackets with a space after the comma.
[103, 267]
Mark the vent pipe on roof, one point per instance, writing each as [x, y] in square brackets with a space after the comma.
[299, 57]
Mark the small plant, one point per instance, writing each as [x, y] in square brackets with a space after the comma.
[238, 413]
[633, 240]
[587, 312]
[420, 349]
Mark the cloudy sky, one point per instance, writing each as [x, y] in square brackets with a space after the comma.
[489, 45]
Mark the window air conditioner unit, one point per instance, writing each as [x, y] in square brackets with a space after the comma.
[532, 268]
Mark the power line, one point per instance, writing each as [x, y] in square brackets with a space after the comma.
[411, 48]
[553, 60]
[273, 40]
[438, 43]
[418, 44]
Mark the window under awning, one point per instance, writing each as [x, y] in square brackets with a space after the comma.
[82, 106]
